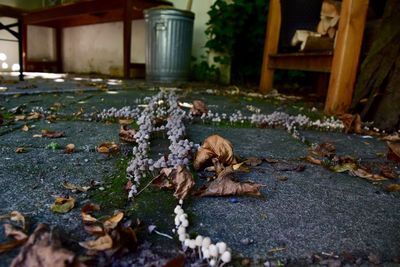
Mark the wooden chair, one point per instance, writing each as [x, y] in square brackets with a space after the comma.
[341, 63]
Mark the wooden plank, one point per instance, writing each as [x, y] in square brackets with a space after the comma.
[270, 45]
[301, 61]
[11, 12]
[346, 56]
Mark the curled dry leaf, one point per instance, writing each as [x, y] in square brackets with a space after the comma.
[19, 117]
[180, 179]
[94, 229]
[43, 248]
[125, 121]
[33, 116]
[74, 187]
[63, 205]
[86, 213]
[392, 188]
[392, 138]
[367, 175]
[126, 134]
[15, 216]
[199, 108]
[100, 244]
[20, 150]
[12, 231]
[70, 148]
[52, 134]
[108, 148]
[352, 123]
[324, 150]
[214, 146]
[112, 222]
[388, 172]
[394, 151]
[25, 128]
[10, 245]
[253, 161]
[313, 160]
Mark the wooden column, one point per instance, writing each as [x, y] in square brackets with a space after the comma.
[127, 37]
[24, 45]
[270, 44]
[346, 56]
[59, 50]
[20, 49]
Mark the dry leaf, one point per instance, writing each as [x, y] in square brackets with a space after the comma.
[388, 172]
[348, 166]
[94, 229]
[51, 118]
[86, 213]
[180, 179]
[74, 187]
[100, 244]
[313, 160]
[352, 123]
[199, 108]
[324, 150]
[63, 205]
[70, 148]
[178, 261]
[392, 188]
[17, 234]
[52, 134]
[223, 185]
[394, 151]
[392, 138]
[33, 116]
[19, 117]
[125, 121]
[44, 249]
[20, 150]
[25, 128]
[367, 175]
[253, 161]
[126, 134]
[214, 146]
[10, 245]
[108, 148]
[112, 222]
[15, 216]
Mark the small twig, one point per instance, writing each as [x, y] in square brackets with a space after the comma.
[147, 185]
[159, 233]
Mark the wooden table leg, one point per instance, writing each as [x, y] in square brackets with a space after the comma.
[346, 56]
[59, 48]
[24, 46]
[127, 37]
[20, 49]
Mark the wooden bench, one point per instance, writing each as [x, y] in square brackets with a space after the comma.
[87, 12]
[341, 63]
[16, 13]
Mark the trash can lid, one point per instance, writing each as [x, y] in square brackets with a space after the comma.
[168, 10]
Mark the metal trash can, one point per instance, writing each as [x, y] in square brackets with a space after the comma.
[169, 35]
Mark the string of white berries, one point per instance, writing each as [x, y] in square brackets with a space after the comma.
[215, 254]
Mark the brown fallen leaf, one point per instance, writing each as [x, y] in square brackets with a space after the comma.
[33, 116]
[25, 128]
[367, 175]
[128, 185]
[10, 245]
[112, 222]
[52, 134]
[179, 179]
[63, 205]
[70, 148]
[20, 150]
[43, 248]
[392, 138]
[253, 161]
[214, 146]
[388, 172]
[392, 188]
[19, 117]
[324, 150]
[126, 134]
[313, 160]
[51, 118]
[224, 185]
[178, 261]
[15, 233]
[125, 121]
[199, 108]
[100, 244]
[94, 229]
[352, 123]
[394, 151]
[108, 148]
[15, 216]
[74, 187]
[86, 213]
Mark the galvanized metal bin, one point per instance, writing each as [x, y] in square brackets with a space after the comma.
[169, 34]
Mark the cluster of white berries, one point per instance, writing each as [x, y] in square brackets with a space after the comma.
[215, 254]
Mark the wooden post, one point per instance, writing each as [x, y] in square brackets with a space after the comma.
[59, 48]
[24, 45]
[127, 37]
[346, 56]
[20, 49]
[270, 44]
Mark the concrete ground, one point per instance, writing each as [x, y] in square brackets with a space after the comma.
[309, 214]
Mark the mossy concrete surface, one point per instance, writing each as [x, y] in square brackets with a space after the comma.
[306, 212]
